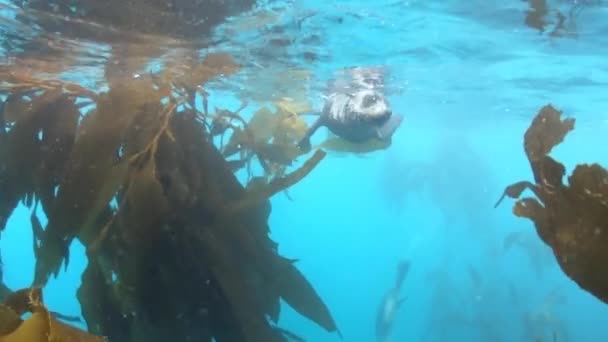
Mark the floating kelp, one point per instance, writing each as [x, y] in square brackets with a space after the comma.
[337, 144]
[554, 22]
[77, 37]
[572, 219]
[269, 136]
[177, 248]
[114, 19]
[40, 326]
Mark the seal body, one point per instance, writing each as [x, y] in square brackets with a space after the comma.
[356, 110]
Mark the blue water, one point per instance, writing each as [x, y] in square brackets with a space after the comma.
[468, 76]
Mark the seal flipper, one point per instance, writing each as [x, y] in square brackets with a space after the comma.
[388, 128]
[304, 143]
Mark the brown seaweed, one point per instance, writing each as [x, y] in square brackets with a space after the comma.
[570, 218]
[177, 248]
[337, 144]
[264, 191]
[538, 17]
[269, 136]
[119, 21]
[41, 326]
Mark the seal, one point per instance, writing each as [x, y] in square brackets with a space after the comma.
[356, 110]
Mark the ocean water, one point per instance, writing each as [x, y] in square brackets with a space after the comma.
[468, 77]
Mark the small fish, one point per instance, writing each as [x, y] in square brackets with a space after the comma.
[391, 302]
[356, 111]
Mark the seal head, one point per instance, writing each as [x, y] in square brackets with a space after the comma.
[360, 116]
[356, 111]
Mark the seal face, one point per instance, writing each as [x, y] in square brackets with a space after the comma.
[357, 110]
[358, 116]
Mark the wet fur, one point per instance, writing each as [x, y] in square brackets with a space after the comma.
[347, 116]
[355, 110]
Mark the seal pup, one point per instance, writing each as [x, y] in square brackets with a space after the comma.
[356, 109]
[389, 306]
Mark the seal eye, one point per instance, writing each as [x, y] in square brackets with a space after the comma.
[370, 100]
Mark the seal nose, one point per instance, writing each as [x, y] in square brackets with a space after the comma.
[384, 116]
[370, 100]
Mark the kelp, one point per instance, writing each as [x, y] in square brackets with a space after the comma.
[260, 191]
[340, 145]
[570, 218]
[113, 20]
[563, 24]
[270, 136]
[41, 132]
[40, 326]
[6, 294]
[177, 247]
